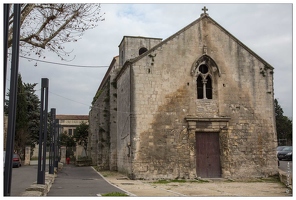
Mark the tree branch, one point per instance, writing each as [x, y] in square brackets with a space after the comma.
[76, 13]
[24, 13]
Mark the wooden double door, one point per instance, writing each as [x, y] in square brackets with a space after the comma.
[208, 155]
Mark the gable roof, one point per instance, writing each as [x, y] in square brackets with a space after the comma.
[113, 62]
[131, 61]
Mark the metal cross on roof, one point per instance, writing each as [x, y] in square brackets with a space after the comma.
[205, 10]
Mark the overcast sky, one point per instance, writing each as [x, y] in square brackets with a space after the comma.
[264, 28]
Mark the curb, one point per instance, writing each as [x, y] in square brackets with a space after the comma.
[285, 180]
[42, 189]
[127, 192]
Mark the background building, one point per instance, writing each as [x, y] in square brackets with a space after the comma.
[68, 123]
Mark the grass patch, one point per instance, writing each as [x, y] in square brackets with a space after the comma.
[114, 194]
[178, 181]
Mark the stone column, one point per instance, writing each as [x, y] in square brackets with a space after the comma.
[27, 155]
[63, 154]
[192, 154]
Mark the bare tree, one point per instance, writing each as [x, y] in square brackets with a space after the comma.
[50, 26]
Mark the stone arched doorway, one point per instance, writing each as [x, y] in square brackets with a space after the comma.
[208, 145]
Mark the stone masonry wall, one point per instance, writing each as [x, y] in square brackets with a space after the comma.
[246, 94]
[124, 123]
[113, 122]
[130, 46]
[100, 128]
[165, 93]
[93, 133]
[104, 128]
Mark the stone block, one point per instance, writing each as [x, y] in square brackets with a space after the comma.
[43, 188]
[31, 194]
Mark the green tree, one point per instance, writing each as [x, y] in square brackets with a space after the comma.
[33, 113]
[27, 116]
[66, 140]
[283, 126]
[21, 127]
[81, 135]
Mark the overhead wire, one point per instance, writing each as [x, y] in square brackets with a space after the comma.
[90, 106]
[64, 64]
[70, 65]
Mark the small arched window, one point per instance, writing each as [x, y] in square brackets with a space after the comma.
[142, 50]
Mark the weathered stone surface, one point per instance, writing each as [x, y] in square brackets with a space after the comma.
[32, 194]
[43, 188]
[159, 109]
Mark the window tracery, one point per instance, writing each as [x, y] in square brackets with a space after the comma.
[204, 83]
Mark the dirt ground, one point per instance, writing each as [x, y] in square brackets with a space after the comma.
[269, 187]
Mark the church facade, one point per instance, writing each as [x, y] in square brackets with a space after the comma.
[197, 104]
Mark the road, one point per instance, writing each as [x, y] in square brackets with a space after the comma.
[80, 181]
[284, 166]
[25, 176]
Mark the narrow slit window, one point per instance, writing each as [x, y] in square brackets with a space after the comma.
[209, 88]
[199, 87]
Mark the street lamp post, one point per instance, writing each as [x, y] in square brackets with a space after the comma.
[12, 96]
[52, 143]
[43, 132]
[56, 144]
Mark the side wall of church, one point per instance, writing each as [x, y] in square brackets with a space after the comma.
[92, 147]
[165, 93]
[102, 146]
[100, 128]
[113, 122]
[124, 154]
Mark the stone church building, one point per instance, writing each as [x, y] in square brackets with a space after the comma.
[197, 104]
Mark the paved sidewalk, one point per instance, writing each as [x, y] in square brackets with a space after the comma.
[214, 187]
[80, 181]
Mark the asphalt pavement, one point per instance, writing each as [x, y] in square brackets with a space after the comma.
[80, 181]
[284, 165]
[22, 178]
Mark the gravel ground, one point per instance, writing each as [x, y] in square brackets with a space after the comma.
[269, 187]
